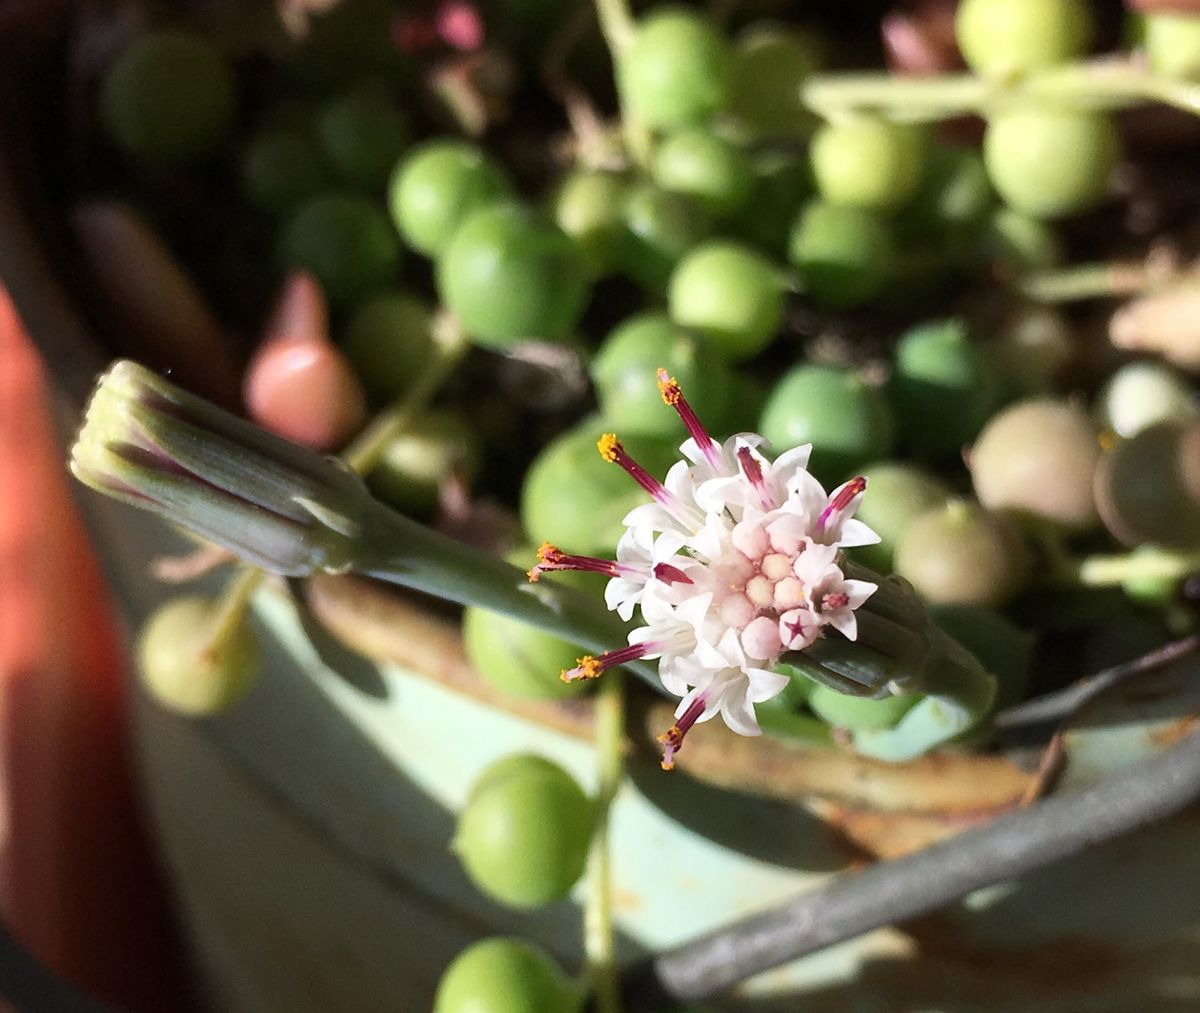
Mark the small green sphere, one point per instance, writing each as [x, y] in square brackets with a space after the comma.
[867, 162]
[1050, 163]
[519, 659]
[1029, 347]
[417, 462]
[897, 493]
[389, 341]
[1003, 38]
[676, 70]
[708, 168]
[781, 183]
[845, 419]
[437, 186]
[589, 207]
[168, 98]
[770, 65]
[1172, 44]
[346, 241]
[660, 227]
[855, 712]
[1019, 242]
[1038, 458]
[184, 669]
[524, 833]
[282, 168]
[510, 276]
[942, 388]
[960, 554]
[954, 197]
[1142, 394]
[577, 500]
[624, 374]
[505, 975]
[1148, 487]
[729, 293]
[844, 255]
[362, 135]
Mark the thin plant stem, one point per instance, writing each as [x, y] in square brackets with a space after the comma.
[1111, 570]
[1086, 281]
[1097, 84]
[234, 601]
[618, 27]
[449, 345]
[598, 933]
[616, 24]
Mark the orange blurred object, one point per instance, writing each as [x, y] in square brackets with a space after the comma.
[299, 384]
[78, 883]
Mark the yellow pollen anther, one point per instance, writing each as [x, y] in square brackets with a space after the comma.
[608, 445]
[534, 575]
[545, 551]
[586, 667]
[668, 387]
[672, 737]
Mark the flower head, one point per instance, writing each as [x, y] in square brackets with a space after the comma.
[734, 562]
[274, 503]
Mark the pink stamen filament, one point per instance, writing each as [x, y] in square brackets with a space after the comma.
[612, 450]
[551, 558]
[672, 738]
[841, 499]
[672, 394]
[753, 472]
[589, 667]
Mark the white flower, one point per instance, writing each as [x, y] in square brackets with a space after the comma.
[723, 681]
[756, 482]
[733, 562]
[832, 598]
[641, 559]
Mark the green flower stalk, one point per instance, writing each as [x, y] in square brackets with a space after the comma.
[736, 566]
[291, 511]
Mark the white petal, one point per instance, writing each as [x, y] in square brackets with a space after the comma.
[858, 591]
[765, 684]
[854, 533]
[790, 462]
[738, 713]
[844, 621]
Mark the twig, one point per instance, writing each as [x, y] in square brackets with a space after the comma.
[855, 902]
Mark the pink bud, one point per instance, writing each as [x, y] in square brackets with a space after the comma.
[460, 26]
[298, 383]
[921, 41]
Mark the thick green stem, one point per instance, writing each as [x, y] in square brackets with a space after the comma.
[1100, 84]
[958, 694]
[399, 550]
[599, 941]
